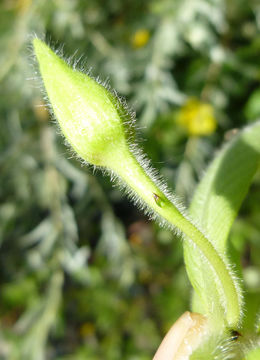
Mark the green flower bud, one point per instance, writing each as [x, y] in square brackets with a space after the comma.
[93, 120]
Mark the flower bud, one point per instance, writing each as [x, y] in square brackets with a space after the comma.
[93, 120]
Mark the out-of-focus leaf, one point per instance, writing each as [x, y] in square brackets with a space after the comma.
[215, 205]
[220, 193]
[252, 109]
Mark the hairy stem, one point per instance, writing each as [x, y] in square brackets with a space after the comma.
[131, 172]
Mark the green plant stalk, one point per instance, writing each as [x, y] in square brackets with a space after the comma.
[133, 174]
[99, 129]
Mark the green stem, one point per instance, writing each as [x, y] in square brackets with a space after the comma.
[138, 180]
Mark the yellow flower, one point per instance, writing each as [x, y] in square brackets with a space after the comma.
[23, 5]
[140, 38]
[197, 118]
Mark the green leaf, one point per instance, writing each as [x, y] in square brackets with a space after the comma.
[215, 205]
[252, 109]
[220, 193]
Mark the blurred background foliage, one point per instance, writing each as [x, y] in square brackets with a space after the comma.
[84, 275]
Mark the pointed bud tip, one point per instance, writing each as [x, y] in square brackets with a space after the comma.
[40, 48]
[38, 43]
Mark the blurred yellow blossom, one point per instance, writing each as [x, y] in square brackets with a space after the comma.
[197, 118]
[23, 5]
[140, 38]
